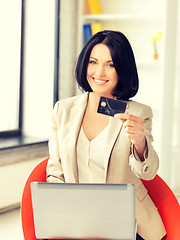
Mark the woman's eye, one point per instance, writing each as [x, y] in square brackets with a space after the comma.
[92, 62]
[111, 65]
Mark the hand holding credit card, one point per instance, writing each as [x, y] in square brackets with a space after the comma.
[109, 106]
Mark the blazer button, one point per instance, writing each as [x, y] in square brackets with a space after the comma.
[146, 169]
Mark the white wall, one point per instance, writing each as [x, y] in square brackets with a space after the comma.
[168, 89]
[12, 181]
[68, 36]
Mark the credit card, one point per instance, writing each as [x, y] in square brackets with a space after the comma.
[109, 106]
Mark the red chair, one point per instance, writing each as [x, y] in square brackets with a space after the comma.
[159, 191]
[167, 204]
[37, 175]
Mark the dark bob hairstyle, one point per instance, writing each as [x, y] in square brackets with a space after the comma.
[123, 60]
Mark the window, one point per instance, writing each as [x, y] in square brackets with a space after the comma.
[29, 76]
[10, 58]
[40, 61]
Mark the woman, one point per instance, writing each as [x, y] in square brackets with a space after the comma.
[89, 147]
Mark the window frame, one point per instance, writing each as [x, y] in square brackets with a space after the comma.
[18, 132]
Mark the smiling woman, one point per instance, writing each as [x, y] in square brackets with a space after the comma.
[89, 147]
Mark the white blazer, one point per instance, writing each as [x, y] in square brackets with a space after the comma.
[122, 162]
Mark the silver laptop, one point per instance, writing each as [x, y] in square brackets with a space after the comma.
[77, 211]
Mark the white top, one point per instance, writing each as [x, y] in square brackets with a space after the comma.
[90, 157]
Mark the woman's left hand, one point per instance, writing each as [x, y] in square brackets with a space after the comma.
[134, 128]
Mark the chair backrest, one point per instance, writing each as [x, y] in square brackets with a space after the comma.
[37, 175]
[161, 194]
[167, 205]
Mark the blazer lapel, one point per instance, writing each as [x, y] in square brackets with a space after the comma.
[76, 116]
[113, 133]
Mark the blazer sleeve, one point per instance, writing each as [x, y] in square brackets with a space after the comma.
[54, 171]
[148, 168]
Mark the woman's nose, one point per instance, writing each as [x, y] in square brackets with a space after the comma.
[100, 71]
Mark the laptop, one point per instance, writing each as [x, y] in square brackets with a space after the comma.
[76, 211]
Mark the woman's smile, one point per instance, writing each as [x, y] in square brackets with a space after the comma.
[99, 81]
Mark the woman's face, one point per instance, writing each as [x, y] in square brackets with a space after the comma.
[101, 74]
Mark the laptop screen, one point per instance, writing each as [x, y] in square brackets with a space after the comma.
[83, 210]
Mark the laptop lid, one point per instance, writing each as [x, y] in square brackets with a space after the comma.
[84, 210]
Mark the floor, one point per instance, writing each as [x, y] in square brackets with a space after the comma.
[10, 225]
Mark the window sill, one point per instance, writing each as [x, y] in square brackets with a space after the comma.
[17, 149]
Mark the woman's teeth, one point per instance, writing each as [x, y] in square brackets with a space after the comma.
[99, 81]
